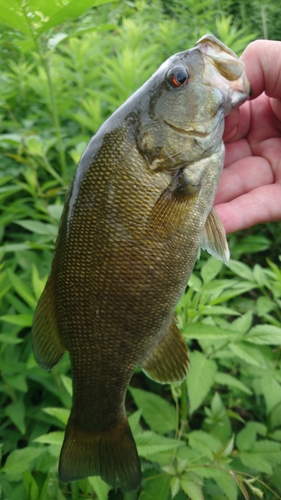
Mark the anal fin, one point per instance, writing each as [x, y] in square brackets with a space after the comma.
[169, 361]
[214, 238]
[46, 342]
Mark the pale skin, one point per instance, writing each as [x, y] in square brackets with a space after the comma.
[250, 189]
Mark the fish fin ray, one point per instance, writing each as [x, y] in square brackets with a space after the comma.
[169, 361]
[170, 211]
[47, 345]
[214, 238]
[110, 454]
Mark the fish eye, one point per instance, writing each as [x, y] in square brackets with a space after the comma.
[178, 76]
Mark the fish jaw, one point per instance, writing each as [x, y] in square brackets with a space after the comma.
[224, 70]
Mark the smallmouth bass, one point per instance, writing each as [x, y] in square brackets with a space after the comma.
[138, 209]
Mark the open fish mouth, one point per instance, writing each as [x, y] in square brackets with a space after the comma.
[224, 70]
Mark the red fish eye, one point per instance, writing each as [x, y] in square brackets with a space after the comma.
[178, 76]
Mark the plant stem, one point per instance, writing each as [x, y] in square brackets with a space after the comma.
[184, 424]
[54, 114]
[53, 104]
[264, 23]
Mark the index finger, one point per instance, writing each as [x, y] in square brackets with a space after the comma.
[262, 60]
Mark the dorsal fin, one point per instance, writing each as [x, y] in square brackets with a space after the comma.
[214, 238]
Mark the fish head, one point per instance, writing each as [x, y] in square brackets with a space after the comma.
[184, 103]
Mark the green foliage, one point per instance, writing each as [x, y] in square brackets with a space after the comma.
[216, 435]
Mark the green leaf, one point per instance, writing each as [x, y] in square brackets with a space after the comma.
[202, 331]
[218, 310]
[259, 275]
[149, 443]
[238, 288]
[200, 378]
[157, 412]
[264, 305]
[263, 455]
[38, 227]
[175, 486]
[134, 420]
[246, 437]
[210, 269]
[67, 382]
[228, 486]
[249, 353]
[55, 437]
[253, 243]
[192, 489]
[271, 390]
[38, 284]
[16, 412]
[194, 282]
[243, 323]
[30, 485]
[7, 338]
[276, 435]
[264, 334]
[226, 379]
[61, 414]
[15, 247]
[100, 487]
[13, 17]
[18, 382]
[241, 269]
[19, 319]
[22, 289]
[204, 442]
[155, 486]
[18, 461]
[228, 448]
[208, 471]
[70, 10]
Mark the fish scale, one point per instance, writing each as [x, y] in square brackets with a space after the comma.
[140, 205]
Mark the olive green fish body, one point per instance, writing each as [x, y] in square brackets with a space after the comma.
[138, 209]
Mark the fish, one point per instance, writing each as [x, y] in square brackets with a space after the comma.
[139, 208]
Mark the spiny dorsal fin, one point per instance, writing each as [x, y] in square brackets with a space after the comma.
[214, 238]
[168, 362]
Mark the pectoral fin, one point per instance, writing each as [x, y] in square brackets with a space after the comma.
[214, 238]
[168, 362]
[170, 210]
[47, 345]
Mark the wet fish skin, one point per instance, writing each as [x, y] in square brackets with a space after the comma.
[138, 208]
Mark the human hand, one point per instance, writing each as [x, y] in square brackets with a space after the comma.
[250, 188]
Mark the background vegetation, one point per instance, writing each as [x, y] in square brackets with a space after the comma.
[66, 65]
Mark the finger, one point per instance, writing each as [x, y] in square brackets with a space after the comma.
[262, 60]
[276, 108]
[242, 177]
[260, 205]
[231, 123]
[235, 151]
[237, 123]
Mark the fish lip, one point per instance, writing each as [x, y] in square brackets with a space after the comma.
[211, 40]
[225, 70]
[194, 133]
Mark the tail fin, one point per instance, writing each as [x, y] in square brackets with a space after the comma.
[111, 454]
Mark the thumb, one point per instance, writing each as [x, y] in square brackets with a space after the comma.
[262, 60]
